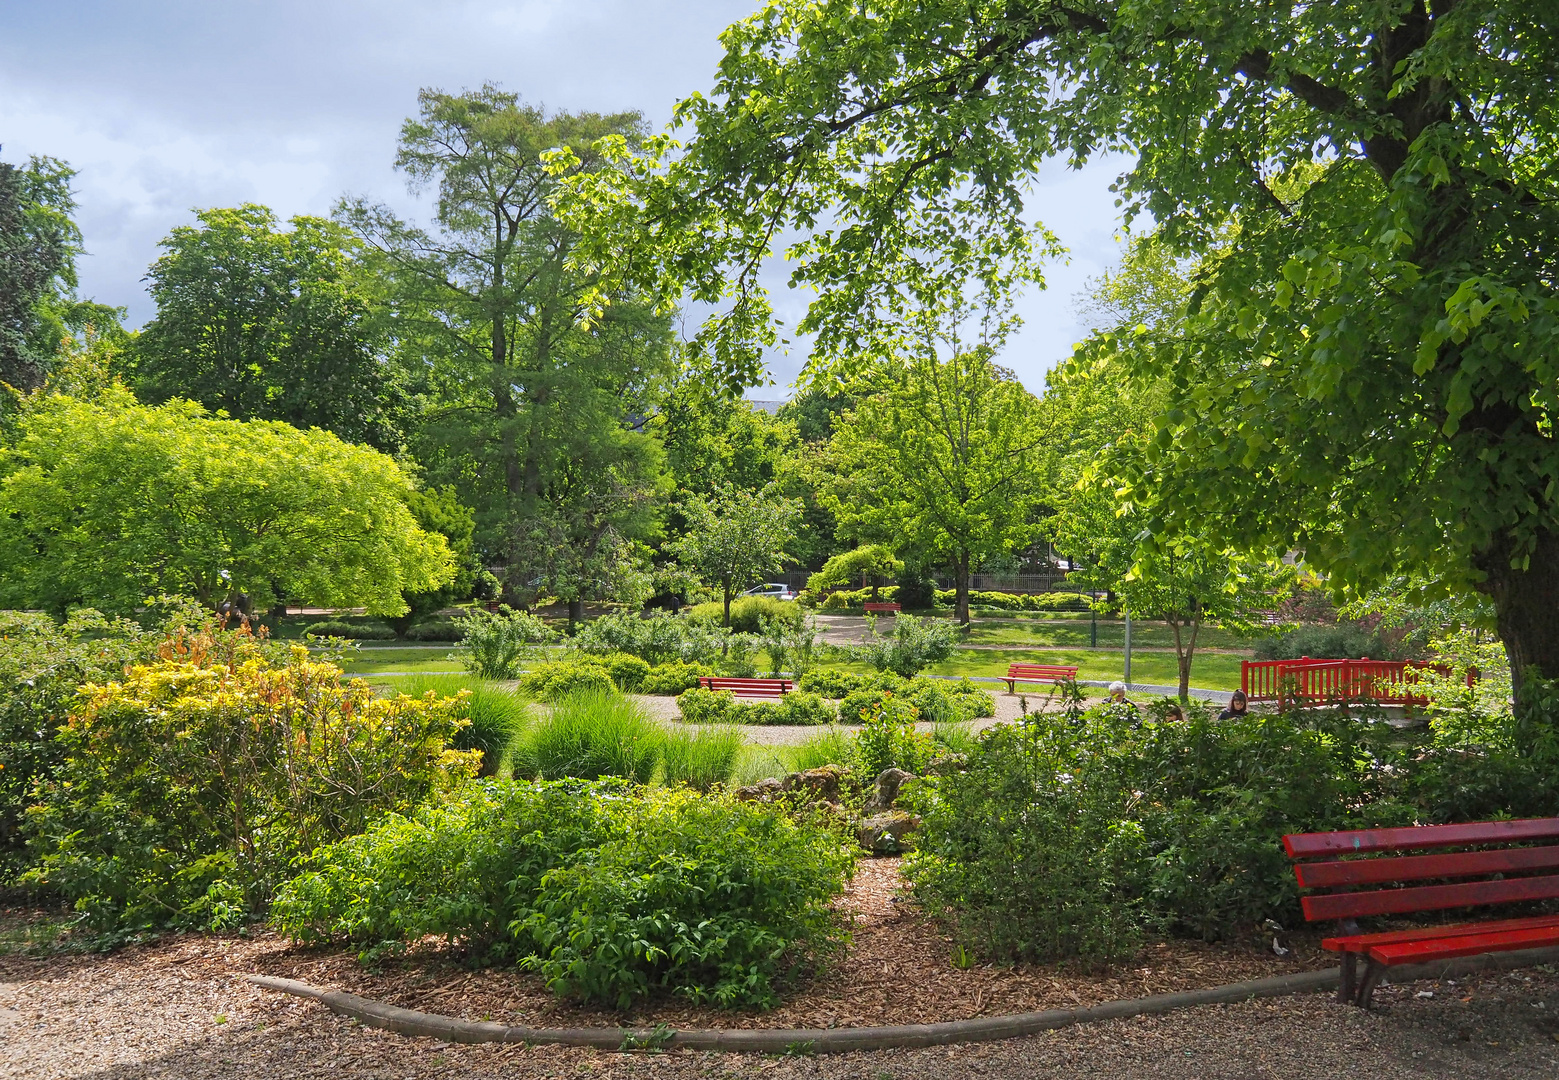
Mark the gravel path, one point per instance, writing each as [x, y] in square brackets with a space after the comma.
[1008, 707]
[181, 1010]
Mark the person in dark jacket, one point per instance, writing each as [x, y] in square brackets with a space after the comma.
[1237, 707]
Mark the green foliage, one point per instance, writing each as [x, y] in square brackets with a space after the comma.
[627, 671]
[42, 662]
[749, 613]
[888, 739]
[497, 642]
[699, 706]
[1341, 641]
[873, 559]
[496, 716]
[1002, 601]
[555, 680]
[611, 893]
[592, 733]
[109, 502]
[656, 637]
[189, 787]
[736, 537]
[40, 240]
[831, 746]
[268, 324]
[700, 759]
[439, 629]
[832, 682]
[669, 680]
[916, 644]
[352, 631]
[937, 700]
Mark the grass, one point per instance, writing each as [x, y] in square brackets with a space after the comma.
[1073, 633]
[499, 716]
[588, 736]
[700, 759]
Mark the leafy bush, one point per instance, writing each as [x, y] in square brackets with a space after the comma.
[42, 662]
[740, 660]
[699, 706]
[611, 893]
[700, 759]
[588, 735]
[555, 680]
[671, 679]
[888, 739]
[748, 613]
[1002, 601]
[498, 641]
[851, 599]
[336, 628]
[627, 671]
[441, 629]
[1343, 641]
[937, 700]
[497, 716]
[916, 644]
[656, 637]
[189, 787]
[833, 683]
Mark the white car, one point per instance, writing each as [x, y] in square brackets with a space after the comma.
[772, 589]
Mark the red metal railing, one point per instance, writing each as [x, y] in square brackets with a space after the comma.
[1317, 682]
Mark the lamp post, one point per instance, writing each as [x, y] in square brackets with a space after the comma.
[1127, 679]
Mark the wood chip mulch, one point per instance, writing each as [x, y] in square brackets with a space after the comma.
[898, 969]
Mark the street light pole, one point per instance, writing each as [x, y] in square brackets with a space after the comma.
[1127, 679]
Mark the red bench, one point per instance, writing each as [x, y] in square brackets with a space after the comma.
[1504, 873]
[883, 608]
[761, 688]
[1050, 673]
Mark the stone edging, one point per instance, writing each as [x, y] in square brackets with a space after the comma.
[841, 1040]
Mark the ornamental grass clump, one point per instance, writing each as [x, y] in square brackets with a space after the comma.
[611, 892]
[497, 716]
[700, 759]
[188, 787]
[591, 734]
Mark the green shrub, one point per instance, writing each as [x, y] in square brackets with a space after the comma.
[555, 680]
[937, 700]
[852, 599]
[610, 893]
[588, 735]
[741, 656]
[627, 671]
[700, 759]
[832, 683]
[189, 787]
[916, 644]
[888, 739]
[1343, 641]
[42, 662]
[656, 637]
[671, 679]
[336, 628]
[497, 715]
[748, 613]
[498, 641]
[440, 629]
[700, 706]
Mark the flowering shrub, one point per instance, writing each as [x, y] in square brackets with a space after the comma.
[188, 787]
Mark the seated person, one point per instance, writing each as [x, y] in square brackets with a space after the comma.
[1237, 707]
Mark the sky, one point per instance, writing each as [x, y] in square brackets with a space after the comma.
[173, 106]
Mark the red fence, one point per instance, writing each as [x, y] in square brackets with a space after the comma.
[1317, 682]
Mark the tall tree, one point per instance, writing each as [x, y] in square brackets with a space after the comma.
[39, 242]
[269, 324]
[538, 404]
[108, 502]
[1371, 373]
[736, 537]
[942, 458]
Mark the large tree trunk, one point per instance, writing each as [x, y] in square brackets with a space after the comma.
[576, 613]
[961, 587]
[1526, 605]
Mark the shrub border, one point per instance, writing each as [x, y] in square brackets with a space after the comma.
[844, 1040]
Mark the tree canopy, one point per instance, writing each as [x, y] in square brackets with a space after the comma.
[109, 502]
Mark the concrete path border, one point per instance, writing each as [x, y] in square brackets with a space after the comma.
[843, 1040]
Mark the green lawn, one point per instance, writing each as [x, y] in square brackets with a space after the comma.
[368, 661]
[1074, 633]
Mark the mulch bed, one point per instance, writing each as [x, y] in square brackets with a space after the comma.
[897, 970]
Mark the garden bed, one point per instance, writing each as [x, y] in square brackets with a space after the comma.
[898, 970]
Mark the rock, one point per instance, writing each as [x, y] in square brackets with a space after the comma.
[815, 786]
[884, 834]
[887, 789]
[947, 763]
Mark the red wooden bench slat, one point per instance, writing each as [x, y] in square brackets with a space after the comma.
[1325, 875]
[1409, 952]
[1017, 673]
[1429, 897]
[747, 687]
[1357, 943]
[1306, 845]
[874, 606]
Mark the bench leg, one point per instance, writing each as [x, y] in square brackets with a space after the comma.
[1348, 985]
[1010, 683]
[1372, 976]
